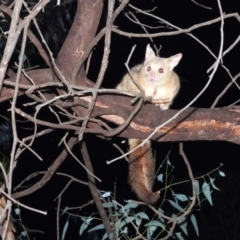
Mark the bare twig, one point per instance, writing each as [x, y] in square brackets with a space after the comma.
[95, 193]
[11, 41]
[103, 67]
[51, 170]
[201, 5]
[192, 101]
[22, 205]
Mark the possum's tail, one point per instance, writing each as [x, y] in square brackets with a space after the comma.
[141, 171]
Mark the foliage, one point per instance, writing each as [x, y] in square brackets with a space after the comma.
[134, 218]
[55, 58]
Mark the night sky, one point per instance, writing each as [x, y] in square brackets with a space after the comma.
[203, 156]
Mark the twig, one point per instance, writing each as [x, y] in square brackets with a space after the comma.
[201, 5]
[44, 172]
[95, 41]
[71, 153]
[172, 33]
[94, 191]
[131, 221]
[11, 41]
[31, 36]
[190, 103]
[51, 170]
[225, 90]
[103, 67]
[22, 205]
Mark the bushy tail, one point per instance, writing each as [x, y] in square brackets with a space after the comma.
[141, 171]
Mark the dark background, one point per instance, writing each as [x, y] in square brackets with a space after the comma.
[217, 222]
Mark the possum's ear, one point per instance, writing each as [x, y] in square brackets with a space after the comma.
[149, 53]
[174, 60]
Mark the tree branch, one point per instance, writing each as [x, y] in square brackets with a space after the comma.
[220, 124]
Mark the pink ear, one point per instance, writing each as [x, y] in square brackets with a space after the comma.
[149, 53]
[174, 60]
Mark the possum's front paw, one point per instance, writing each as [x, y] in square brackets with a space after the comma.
[162, 106]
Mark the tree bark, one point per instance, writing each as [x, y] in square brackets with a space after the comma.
[221, 124]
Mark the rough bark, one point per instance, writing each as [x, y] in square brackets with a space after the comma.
[192, 125]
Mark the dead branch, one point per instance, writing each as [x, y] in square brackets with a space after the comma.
[48, 175]
[95, 192]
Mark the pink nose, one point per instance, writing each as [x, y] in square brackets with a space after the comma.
[152, 76]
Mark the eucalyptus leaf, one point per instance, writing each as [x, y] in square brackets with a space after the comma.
[106, 194]
[194, 223]
[207, 192]
[155, 223]
[82, 228]
[175, 205]
[65, 230]
[212, 183]
[108, 205]
[179, 236]
[181, 197]
[222, 174]
[160, 177]
[142, 215]
[98, 227]
[150, 231]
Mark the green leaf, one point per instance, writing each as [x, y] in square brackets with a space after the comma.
[183, 226]
[108, 205]
[24, 233]
[126, 221]
[212, 183]
[150, 231]
[207, 192]
[65, 209]
[86, 220]
[82, 228]
[154, 223]
[160, 177]
[194, 223]
[222, 174]
[168, 162]
[160, 210]
[179, 236]
[125, 230]
[181, 197]
[98, 227]
[105, 236]
[115, 205]
[130, 205]
[142, 215]
[106, 194]
[175, 205]
[65, 230]
[17, 211]
[138, 221]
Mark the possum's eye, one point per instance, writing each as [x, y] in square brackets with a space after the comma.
[149, 69]
[160, 70]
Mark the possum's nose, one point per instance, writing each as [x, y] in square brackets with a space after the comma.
[152, 76]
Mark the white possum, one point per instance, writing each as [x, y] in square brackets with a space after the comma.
[161, 83]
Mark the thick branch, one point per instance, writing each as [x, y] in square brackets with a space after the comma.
[82, 32]
[192, 125]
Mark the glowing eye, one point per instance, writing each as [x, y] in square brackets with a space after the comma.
[149, 69]
[160, 70]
